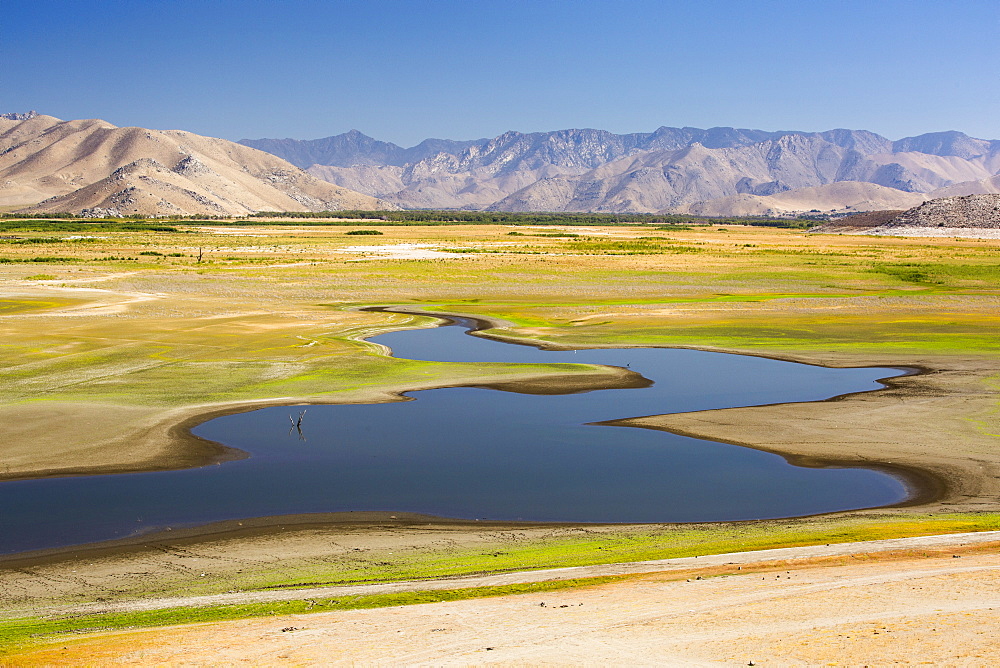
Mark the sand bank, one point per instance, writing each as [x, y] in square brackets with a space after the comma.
[943, 421]
[930, 600]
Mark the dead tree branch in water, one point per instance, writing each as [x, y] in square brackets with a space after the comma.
[297, 424]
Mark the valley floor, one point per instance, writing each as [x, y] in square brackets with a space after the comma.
[113, 347]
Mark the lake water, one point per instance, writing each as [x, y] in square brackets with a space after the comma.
[480, 453]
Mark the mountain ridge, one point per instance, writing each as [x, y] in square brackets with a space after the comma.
[668, 170]
[348, 149]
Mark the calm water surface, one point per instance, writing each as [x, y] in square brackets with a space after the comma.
[479, 453]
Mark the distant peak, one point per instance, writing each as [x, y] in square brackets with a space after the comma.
[15, 116]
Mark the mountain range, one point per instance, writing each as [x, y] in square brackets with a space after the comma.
[95, 168]
[717, 171]
[92, 167]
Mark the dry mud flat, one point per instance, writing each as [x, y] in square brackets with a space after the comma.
[936, 604]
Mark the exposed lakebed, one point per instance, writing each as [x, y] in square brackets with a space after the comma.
[478, 453]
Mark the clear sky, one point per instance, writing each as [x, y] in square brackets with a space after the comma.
[404, 70]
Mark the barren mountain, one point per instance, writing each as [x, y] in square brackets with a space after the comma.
[436, 183]
[49, 165]
[836, 198]
[980, 187]
[354, 148]
[671, 169]
[695, 176]
[949, 143]
[513, 149]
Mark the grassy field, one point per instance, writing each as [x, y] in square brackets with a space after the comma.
[161, 323]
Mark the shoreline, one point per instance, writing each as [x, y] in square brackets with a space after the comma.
[180, 449]
[177, 448]
[253, 527]
[925, 484]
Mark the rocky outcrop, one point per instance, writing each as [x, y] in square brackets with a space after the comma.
[15, 116]
[968, 211]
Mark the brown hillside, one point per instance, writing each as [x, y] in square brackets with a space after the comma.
[49, 165]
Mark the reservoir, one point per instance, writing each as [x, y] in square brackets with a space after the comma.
[477, 453]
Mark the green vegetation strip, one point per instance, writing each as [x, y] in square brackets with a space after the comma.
[448, 217]
[21, 634]
[595, 547]
[34, 225]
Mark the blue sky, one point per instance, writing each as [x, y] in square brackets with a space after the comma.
[404, 70]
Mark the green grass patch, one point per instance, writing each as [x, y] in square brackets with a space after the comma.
[864, 326]
[12, 306]
[25, 241]
[21, 634]
[641, 246]
[81, 226]
[909, 336]
[977, 275]
[42, 259]
[570, 235]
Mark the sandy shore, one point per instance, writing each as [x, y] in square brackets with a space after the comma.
[929, 600]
